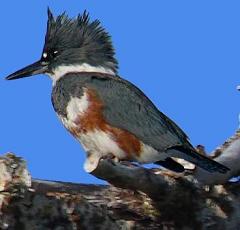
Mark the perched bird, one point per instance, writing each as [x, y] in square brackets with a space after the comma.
[108, 115]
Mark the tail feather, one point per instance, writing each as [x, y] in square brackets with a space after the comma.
[203, 162]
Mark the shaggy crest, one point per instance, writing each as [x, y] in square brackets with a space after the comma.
[78, 40]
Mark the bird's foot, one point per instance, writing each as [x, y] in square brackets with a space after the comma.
[111, 157]
[129, 164]
[115, 159]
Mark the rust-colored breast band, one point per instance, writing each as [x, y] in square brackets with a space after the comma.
[93, 119]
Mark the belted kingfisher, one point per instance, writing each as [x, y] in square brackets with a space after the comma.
[108, 115]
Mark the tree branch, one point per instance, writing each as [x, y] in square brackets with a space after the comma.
[138, 198]
[229, 155]
[154, 199]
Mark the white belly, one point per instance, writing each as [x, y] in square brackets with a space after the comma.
[101, 142]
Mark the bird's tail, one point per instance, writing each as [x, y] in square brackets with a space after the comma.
[203, 162]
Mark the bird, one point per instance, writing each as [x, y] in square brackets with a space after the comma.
[108, 115]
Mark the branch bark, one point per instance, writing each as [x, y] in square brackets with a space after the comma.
[229, 155]
[137, 198]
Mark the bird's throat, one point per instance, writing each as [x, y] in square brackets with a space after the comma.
[62, 70]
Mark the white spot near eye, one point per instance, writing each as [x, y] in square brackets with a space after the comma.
[55, 52]
[44, 55]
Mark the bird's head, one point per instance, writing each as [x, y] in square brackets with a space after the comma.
[72, 45]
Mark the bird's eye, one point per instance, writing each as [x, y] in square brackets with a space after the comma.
[54, 53]
[49, 55]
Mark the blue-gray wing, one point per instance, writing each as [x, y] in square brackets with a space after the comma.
[126, 107]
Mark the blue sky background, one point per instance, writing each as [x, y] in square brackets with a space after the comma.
[185, 55]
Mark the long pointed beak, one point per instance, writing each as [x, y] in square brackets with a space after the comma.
[38, 67]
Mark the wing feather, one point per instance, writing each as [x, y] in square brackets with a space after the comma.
[128, 108]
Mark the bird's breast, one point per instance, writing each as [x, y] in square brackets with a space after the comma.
[84, 119]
